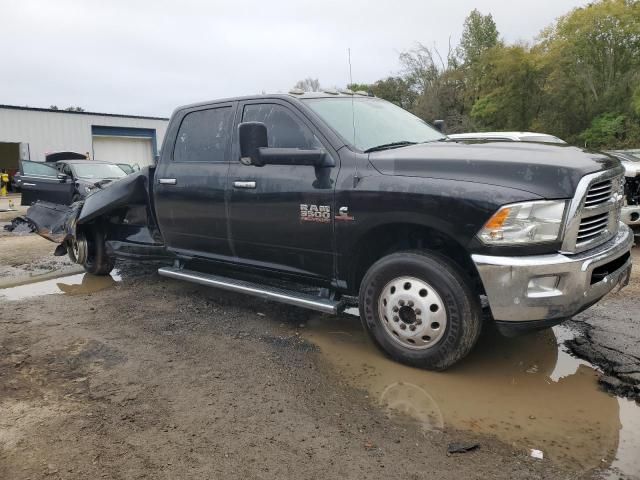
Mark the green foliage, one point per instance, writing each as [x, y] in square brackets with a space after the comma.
[606, 130]
[396, 90]
[510, 89]
[486, 109]
[479, 35]
[356, 87]
[580, 80]
[592, 60]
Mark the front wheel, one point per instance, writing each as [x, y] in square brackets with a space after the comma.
[418, 308]
[89, 250]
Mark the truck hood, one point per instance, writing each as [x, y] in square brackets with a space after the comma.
[550, 171]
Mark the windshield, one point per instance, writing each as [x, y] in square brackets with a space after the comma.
[377, 122]
[126, 168]
[98, 170]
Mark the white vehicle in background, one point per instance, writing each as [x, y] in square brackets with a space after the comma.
[505, 137]
[630, 160]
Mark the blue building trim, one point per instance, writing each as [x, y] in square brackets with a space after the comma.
[104, 131]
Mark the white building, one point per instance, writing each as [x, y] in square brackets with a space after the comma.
[31, 133]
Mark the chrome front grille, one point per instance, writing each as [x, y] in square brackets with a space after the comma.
[594, 213]
[599, 193]
[592, 227]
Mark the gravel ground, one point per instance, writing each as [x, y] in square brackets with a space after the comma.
[153, 378]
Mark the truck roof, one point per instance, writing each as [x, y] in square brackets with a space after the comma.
[298, 94]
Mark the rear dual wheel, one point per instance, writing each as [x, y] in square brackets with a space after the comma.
[419, 308]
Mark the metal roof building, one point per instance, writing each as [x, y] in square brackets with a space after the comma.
[31, 133]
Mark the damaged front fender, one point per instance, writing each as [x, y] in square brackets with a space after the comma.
[123, 210]
[54, 222]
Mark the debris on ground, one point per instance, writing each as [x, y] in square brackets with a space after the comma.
[461, 447]
[19, 225]
[536, 453]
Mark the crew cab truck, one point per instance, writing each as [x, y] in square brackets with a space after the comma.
[332, 200]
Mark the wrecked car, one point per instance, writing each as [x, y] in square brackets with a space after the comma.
[631, 162]
[65, 181]
[331, 200]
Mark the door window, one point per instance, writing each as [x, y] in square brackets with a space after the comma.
[204, 136]
[284, 130]
[38, 168]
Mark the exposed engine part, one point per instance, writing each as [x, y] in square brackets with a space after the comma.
[632, 190]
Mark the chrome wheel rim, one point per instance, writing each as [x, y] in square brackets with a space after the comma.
[78, 249]
[412, 313]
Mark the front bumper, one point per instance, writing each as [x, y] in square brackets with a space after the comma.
[523, 289]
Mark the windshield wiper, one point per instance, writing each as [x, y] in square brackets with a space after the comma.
[387, 146]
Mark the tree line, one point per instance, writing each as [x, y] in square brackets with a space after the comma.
[578, 80]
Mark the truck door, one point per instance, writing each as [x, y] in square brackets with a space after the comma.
[282, 216]
[191, 179]
[41, 181]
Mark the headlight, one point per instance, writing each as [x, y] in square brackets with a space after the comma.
[527, 222]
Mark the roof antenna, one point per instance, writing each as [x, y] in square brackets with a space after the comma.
[356, 178]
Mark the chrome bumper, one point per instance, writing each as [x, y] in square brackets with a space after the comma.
[524, 289]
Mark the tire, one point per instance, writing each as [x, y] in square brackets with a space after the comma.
[97, 261]
[419, 308]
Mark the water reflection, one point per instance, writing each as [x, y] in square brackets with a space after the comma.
[76, 284]
[527, 391]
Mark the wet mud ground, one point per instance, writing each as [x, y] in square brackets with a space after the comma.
[609, 336]
[139, 376]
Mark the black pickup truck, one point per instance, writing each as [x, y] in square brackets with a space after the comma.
[331, 200]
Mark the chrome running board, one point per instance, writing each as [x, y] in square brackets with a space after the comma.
[290, 297]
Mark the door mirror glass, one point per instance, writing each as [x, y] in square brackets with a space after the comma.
[253, 137]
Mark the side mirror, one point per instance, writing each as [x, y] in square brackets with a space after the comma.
[253, 137]
[439, 125]
[63, 177]
[295, 156]
[254, 150]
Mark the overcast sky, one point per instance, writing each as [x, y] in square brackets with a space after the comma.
[148, 56]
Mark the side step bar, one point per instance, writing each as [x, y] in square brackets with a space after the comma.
[291, 297]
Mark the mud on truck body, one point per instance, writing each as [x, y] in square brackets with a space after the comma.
[329, 201]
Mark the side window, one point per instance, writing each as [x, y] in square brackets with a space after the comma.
[67, 170]
[204, 136]
[38, 168]
[284, 130]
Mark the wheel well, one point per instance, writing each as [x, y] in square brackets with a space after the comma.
[390, 238]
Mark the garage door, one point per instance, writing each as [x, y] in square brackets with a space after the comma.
[129, 150]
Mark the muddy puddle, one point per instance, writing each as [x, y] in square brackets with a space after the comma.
[72, 284]
[527, 391]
